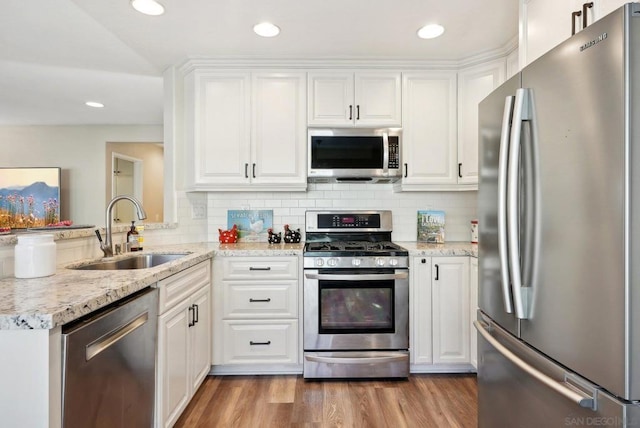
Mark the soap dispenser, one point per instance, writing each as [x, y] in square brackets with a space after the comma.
[132, 238]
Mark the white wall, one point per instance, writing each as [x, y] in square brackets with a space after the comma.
[289, 208]
[80, 152]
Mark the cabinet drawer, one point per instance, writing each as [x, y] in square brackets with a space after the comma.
[260, 268]
[247, 342]
[182, 285]
[264, 300]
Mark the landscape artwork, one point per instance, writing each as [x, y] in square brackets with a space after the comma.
[29, 197]
[252, 224]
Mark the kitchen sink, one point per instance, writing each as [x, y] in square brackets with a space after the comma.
[138, 261]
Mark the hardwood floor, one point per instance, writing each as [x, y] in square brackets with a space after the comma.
[432, 400]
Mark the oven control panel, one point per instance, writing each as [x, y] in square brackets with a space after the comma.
[348, 221]
[356, 262]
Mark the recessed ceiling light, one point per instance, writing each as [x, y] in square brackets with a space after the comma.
[266, 29]
[430, 31]
[148, 7]
[94, 104]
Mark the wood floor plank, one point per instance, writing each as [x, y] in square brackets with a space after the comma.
[423, 401]
[282, 389]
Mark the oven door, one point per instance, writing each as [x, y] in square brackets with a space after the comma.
[356, 310]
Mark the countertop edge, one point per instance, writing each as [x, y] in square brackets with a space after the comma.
[107, 288]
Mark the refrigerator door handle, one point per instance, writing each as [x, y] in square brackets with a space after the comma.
[564, 388]
[520, 113]
[503, 158]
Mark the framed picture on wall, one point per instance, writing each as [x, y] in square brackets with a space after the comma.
[29, 197]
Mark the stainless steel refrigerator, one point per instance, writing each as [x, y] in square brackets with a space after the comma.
[559, 248]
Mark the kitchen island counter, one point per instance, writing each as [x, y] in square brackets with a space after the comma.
[49, 302]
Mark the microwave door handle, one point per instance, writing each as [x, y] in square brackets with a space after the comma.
[385, 151]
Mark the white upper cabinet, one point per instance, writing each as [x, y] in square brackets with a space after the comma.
[604, 7]
[546, 23]
[347, 99]
[278, 131]
[440, 132]
[429, 143]
[474, 84]
[218, 128]
[245, 131]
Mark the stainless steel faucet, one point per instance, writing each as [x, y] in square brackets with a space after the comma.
[106, 245]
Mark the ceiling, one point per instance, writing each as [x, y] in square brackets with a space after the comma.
[57, 54]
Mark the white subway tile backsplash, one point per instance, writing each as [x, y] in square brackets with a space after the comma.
[290, 207]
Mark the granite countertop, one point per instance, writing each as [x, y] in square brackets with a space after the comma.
[46, 303]
[259, 249]
[446, 249]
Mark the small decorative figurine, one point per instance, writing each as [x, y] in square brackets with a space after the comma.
[274, 238]
[291, 236]
[228, 236]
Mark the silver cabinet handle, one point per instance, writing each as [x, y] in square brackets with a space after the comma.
[357, 277]
[355, 360]
[109, 339]
[503, 158]
[572, 394]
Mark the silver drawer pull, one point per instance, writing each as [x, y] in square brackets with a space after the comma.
[259, 300]
[259, 268]
[252, 343]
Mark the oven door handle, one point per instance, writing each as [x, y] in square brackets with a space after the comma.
[356, 359]
[357, 277]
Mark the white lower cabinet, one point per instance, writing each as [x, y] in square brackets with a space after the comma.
[256, 327]
[440, 314]
[184, 340]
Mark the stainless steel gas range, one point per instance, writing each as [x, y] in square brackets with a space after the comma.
[356, 297]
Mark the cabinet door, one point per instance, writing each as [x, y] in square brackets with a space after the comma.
[218, 150]
[173, 363]
[429, 142]
[604, 7]
[201, 337]
[474, 83]
[420, 322]
[473, 306]
[378, 99]
[450, 282]
[543, 25]
[330, 96]
[278, 129]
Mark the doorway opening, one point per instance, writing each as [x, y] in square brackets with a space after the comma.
[126, 180]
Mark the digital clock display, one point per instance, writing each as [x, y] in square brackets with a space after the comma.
[348, 220]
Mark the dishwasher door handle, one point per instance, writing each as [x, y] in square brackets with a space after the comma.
[111, 338]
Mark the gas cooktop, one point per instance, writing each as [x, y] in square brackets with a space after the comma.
[353, 248]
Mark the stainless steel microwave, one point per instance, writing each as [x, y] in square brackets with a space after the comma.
[354, 155]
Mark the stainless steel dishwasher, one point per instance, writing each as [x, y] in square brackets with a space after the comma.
[109, 361]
